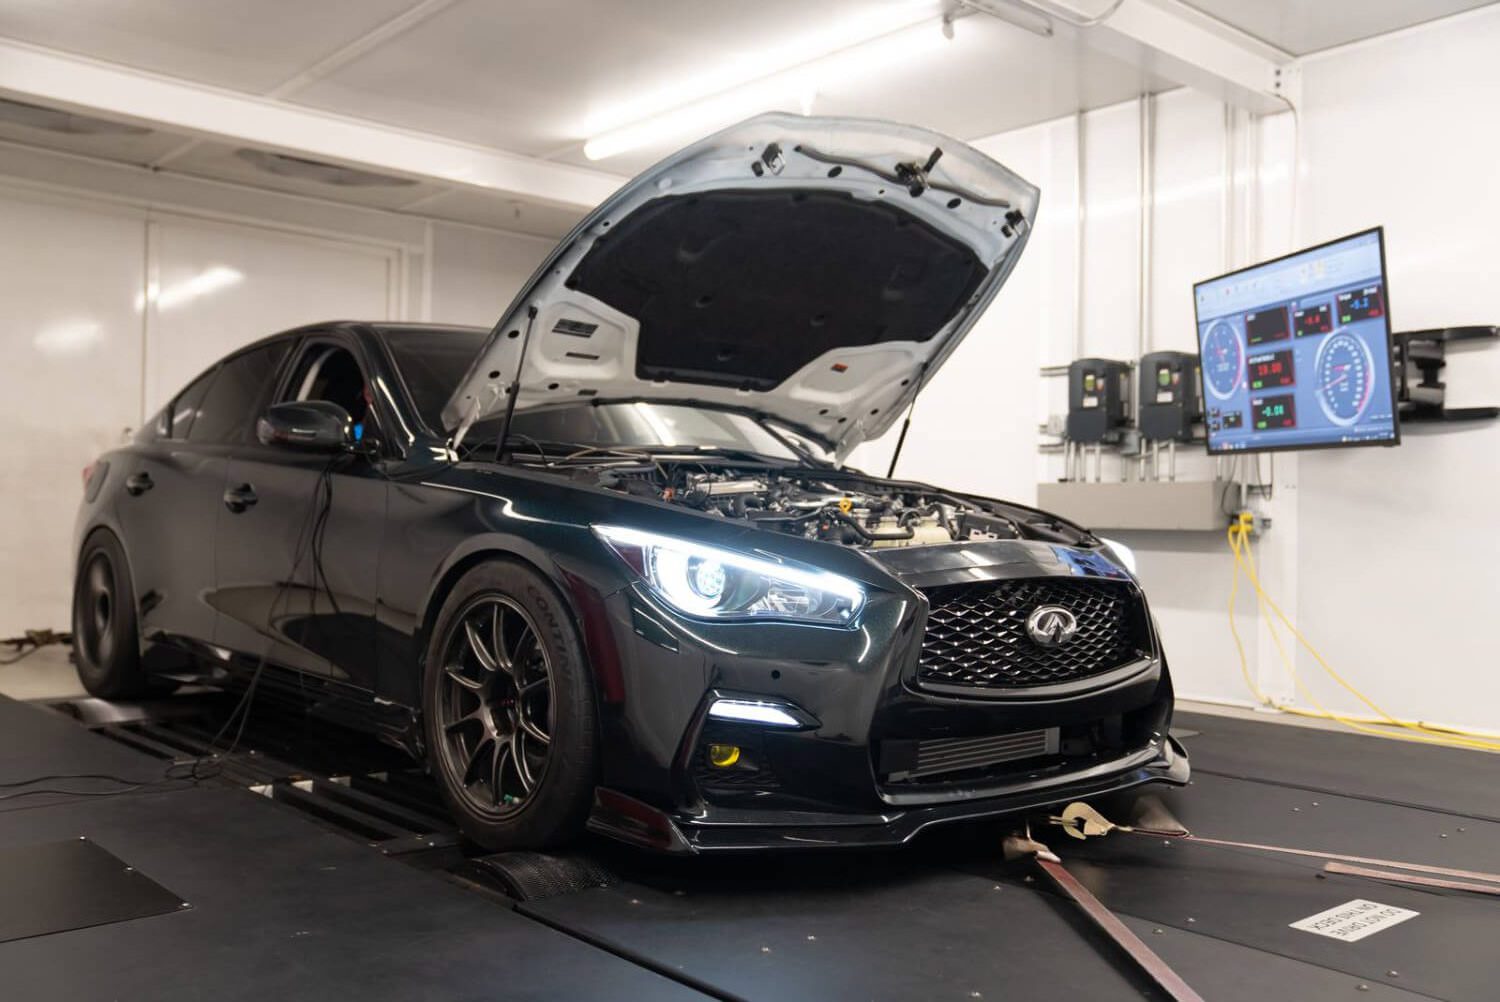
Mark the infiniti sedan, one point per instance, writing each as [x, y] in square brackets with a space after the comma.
[603, 565]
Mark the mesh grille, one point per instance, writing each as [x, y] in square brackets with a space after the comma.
[976, 633]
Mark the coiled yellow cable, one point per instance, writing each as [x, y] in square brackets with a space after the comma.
[1381, 724]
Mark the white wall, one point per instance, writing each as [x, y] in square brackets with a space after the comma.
[1384, 557]
[1396, 569]
[69, 384]
[476, 272]
[117, 286]
[974, 427]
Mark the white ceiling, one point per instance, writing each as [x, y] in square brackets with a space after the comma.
[524, 76]
[1304, 26]
[249, 45]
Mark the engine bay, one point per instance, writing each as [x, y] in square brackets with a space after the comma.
[829, 505]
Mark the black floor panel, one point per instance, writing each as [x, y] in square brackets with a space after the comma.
[1447, 951]
[280, 907]
[284, 907]
[1249, 898]
[852, 926]
[1446, 779]
[1249, 811]
[73, 884]
[284, 910]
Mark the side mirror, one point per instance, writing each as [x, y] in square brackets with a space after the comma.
[308, 425]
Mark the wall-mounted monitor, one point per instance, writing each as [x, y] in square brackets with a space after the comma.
[1296, 353]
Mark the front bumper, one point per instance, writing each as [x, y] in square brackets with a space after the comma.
[728, 830]
[836, 779]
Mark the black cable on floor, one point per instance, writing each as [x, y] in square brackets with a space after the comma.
[31, 642]
[24, 654]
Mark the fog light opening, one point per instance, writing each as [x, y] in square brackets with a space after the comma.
[723, 756]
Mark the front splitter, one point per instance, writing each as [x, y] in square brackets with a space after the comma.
[623, 817]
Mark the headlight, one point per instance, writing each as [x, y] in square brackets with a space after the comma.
[706, 581]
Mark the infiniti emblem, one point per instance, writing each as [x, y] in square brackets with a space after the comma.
[1051, 625]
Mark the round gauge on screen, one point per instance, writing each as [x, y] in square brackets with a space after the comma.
[1223, 360]
[1345, 372]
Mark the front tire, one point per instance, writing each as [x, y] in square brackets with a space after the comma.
[106, 644]
[508, 711]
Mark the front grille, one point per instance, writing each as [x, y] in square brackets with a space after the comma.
[976, 633]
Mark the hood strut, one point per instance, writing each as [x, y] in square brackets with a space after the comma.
[515, 386]
[511, 391]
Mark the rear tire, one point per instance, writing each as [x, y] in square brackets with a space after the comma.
[106, 640]
[508, 711]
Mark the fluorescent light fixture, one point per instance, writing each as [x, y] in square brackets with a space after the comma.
[746, 67]
[785, 92]
[178, 293]
[785, 77]
[749, 711]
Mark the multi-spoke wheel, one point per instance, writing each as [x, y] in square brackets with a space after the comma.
[104, 627]
[496, 706]
[509, 711]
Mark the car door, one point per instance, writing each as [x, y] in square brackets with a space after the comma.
[167, 514]
[298, 547]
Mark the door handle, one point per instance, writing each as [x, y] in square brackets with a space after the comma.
[237, 499]
[138, 484]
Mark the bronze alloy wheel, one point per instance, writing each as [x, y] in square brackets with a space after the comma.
[495, 707]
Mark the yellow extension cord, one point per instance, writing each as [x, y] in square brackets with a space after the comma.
[1379, 725]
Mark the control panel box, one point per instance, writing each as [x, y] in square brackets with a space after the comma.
[1098, 395]
[1167, 391]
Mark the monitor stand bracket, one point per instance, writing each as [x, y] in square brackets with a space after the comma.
[1426, 352]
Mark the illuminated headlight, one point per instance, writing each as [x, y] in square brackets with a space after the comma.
[706, 581]
[1124, 555]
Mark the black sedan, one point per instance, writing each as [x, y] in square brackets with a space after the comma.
[603, 565]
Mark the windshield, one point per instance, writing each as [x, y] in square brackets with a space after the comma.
[432, 362]
[641, 426]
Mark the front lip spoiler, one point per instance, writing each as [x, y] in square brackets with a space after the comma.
[625, 818]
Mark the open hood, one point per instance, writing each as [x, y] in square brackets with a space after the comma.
[816, 271]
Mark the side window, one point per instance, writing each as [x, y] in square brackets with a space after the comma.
[331, 372]
[182, 411]
[227, 412]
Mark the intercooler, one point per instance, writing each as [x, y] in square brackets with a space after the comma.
[906, 760]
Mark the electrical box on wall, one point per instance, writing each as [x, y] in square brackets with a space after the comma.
[1098, 390]
[1169, 403]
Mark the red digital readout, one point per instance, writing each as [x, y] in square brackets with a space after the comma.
[1313, 320]
[1270, 369]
